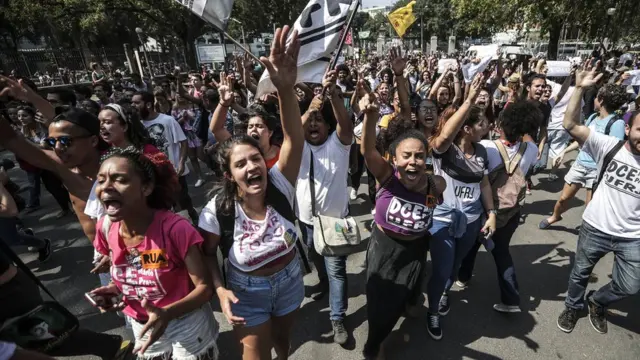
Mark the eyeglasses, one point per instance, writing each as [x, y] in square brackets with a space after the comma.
[65, 140]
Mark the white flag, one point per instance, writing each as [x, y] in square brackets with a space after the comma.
[215, 12]
[319, 28]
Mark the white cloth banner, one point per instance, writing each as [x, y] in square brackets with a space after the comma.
[470, 69]
[319, 28]
[443, 64]
[634, 78]
[558, 68]
[215, 12]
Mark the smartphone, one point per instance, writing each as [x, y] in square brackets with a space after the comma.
[101, 300]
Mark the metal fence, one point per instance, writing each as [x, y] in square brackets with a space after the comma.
[54, 62]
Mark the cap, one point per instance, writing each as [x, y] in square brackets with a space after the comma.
[80, 118]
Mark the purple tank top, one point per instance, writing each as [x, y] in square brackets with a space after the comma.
[402, 211]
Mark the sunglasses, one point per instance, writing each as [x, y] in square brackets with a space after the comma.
[66, 141]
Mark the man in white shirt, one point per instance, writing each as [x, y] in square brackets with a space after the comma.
[610, 221]
[169, 138]
[330, 166]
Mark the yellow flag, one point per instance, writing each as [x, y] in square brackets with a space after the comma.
[402, 18]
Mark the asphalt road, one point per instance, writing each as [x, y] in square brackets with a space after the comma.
[472, 330]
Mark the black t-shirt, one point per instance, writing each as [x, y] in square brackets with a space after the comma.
[546, 115]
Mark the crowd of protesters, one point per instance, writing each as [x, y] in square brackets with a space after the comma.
[448, 151]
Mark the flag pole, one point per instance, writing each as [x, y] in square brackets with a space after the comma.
[343, 38]
[242, 47]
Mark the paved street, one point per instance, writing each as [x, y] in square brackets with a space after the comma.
[472, 330]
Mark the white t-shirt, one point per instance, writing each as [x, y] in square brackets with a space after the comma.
[529, 158]
[558, 109]
[167, 134]
[256, 242]
[93, 207]
[330, 167]
[615, 205]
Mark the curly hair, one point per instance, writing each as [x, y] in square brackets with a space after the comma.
[410, 134]
[612, 97]
[397, 126]
[225, 188]
[520, 118]
[153, 169]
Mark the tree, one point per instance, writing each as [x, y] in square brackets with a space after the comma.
[550, 16]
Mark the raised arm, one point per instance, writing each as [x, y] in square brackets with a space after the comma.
[565, 86]
[22, 92]
[380, 168]
[457, 89]
[433, 94]
[283, 69]
[344, 130]
[451, 128]
[571, 122]
[219, 118]
[398, 63]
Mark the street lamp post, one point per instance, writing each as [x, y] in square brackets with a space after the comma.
[144, 50]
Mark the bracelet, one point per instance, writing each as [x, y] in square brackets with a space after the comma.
[401, 74]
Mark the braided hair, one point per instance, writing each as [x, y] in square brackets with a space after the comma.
[153, 169]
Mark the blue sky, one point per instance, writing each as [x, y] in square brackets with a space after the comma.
[370, 3]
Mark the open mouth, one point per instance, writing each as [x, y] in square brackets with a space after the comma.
[255, 136]
[254, 180]
[111, 207]
[412, 174]
[314, 135]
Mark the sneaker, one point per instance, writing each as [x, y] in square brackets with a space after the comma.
[506, 308]
[62, 214]
[433, 326]
[553, 177]
[29, 231]
[444, 305]
[340, 335]
[353, 194]
[567, 320]
[462, 284]
[199, 183]
[45, 253]
[597, 316]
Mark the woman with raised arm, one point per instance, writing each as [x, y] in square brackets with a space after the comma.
[251, 219]
[404, 209]
[260, 124]
[460, 159]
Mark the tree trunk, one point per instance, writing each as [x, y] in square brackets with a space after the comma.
[555, 30]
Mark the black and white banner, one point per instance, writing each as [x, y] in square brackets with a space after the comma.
[215, 12]
[319, 28]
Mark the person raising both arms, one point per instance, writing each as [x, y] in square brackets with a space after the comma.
[260, 125]
[398, 245]
[254, 205]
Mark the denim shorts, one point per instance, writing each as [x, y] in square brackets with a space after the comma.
[582, 175]
[261, 297]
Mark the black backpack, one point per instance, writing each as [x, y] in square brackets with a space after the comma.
[274, 198]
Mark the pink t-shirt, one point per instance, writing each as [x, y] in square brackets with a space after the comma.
[154, 269]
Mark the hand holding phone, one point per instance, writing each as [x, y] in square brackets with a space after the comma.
[107, 298]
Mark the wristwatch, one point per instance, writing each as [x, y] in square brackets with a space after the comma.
[492, 211]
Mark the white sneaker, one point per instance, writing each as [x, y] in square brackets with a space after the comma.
[506, 308]
[199, 183]
[353, 194]
[461, 285]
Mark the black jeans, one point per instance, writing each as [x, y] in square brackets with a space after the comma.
[14, 238]
[509, 292]
[52, 183]
[184, 200]
[21, 295]
[357, 175]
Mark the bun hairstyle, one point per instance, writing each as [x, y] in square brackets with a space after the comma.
[153, 169]
[226, 188]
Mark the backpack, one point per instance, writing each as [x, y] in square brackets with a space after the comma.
[605, 163]
[607, 128]
[274, 198]
[508, 184]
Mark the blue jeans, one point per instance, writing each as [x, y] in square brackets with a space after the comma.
[34, 189]
[447, 253]
[261, 297]
[509, 290]
[544, 159]
[593, 244]
[331, 268]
